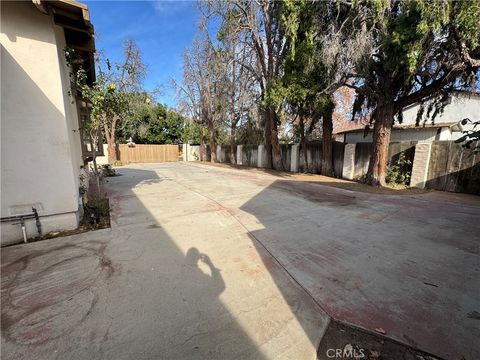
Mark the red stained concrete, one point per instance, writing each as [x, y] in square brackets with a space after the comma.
[408, 264]
[289, 252]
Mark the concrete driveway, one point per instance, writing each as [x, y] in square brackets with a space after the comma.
[204, 262]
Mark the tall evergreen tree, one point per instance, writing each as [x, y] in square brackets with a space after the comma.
[421, 50]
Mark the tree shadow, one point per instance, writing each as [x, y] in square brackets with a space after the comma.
[466, 180]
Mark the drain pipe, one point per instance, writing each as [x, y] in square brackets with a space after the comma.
[37, 222]
[24, 231]
[22, 223]
[22, 219]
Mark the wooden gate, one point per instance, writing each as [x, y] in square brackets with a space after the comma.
[147, 153]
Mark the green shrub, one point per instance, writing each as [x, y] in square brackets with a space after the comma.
[82, 189]
[399, 172]
[97, 212]
[107, 170]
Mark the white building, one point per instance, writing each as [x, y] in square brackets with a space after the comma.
[446, 125]
[42, 152]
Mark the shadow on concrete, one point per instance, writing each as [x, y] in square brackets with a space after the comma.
[282, 174]
[318, 179]
[379, 266]
[454, 167]
[461, 181]
[128, 292]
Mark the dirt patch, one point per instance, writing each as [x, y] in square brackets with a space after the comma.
[343, 341]
[324, 180]
[56, 234]
[310, 192]
[104, 224]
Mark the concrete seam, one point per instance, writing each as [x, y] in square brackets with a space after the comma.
[330, 318]
[261, 243]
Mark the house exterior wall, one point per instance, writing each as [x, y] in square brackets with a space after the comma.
[101, 160]
[461, 106]
[420, 134]
[71, 112]
[40, 142]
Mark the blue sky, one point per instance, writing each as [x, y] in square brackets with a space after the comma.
[161, 29]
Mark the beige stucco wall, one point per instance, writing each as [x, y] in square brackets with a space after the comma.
[193, 152]
[461, 106]
[71, 113]
[101, 160]
[40, 143]
[419, 134]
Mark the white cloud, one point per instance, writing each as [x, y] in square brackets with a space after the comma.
[169, 7]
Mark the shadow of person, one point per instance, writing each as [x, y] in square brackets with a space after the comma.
[175, 295]
[214, 282]
[207, 325]
[159, 303]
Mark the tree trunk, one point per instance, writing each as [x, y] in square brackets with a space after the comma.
[327, 154]
[383, 117]
[268, 136]
[276, 153]
[202, 148]
[93, 141]
[233, 144]
[111, 142]
[303, 143]
[213, 142]
[112, 152]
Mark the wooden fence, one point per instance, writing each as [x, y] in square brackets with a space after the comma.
[313, 151]
[147, 153]
[450, 166]
[363, 152]
[453, 168]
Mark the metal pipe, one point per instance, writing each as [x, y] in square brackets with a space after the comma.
[22, 218]
[37, 222]
[24, 231]
[17, 217]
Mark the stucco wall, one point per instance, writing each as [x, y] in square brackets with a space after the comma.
[420, 134]
[193, 153]
[461, 106]
[71, 112]
[40, 144]
[101, 160]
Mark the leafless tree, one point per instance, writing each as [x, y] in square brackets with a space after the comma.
[264, 37]
[204, 85]
[239, 59]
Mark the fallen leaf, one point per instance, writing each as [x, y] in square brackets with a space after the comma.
[380, 330]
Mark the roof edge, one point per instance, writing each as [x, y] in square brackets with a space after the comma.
[405, 127]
